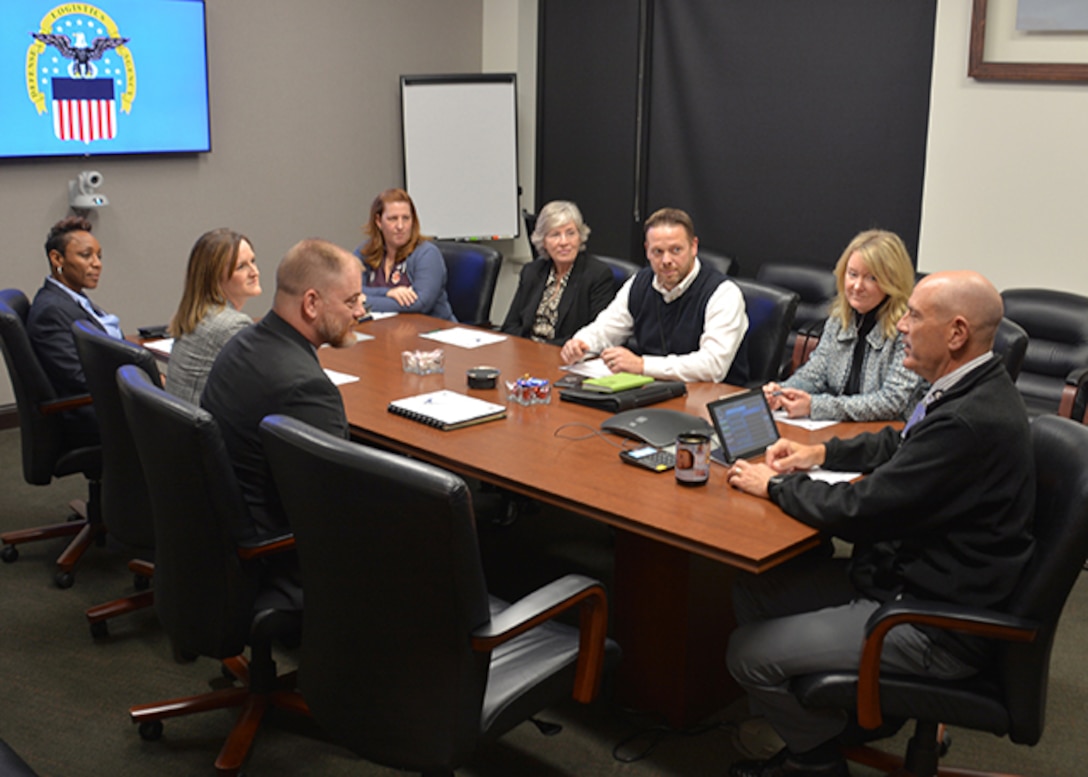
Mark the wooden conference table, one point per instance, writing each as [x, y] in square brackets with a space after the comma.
[676, 547]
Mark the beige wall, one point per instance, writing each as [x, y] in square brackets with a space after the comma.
[1005, 189]
[305, 131]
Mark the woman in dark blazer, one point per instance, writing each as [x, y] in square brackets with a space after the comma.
[75, 264]
[565, 288]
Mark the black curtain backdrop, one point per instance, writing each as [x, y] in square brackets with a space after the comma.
[783, 126]
[587, 87]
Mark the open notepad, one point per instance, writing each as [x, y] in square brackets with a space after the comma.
[447, 409]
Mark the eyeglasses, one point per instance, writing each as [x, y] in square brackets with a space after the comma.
[556, 234]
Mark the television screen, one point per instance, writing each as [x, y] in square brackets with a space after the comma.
[103, 77]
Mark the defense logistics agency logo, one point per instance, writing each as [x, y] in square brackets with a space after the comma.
[88, 66]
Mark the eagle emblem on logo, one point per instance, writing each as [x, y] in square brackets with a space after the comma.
[78, 69]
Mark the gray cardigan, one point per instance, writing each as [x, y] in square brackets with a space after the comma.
[887, 387]
[192, 355]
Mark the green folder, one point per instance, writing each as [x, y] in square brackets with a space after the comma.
[613, 384]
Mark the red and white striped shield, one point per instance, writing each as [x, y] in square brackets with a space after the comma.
[84, 109]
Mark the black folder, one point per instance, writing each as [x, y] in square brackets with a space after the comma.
[650, 394]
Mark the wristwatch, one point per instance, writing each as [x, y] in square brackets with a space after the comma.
[773, 483]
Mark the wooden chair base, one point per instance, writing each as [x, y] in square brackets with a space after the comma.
[86, 532]
[100, 614]
[253, 705]
[896, 766]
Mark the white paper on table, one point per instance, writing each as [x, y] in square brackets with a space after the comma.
[463, 337]
[160, 346]
[804, 423]
[340, 378]
[830, 476]
[359, 338]
[590, 368]
[379, 315]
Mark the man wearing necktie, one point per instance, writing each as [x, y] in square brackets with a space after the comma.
[75, 264]
[944, 514]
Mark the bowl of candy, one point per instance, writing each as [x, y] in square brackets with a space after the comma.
[423, 362]
[529, 391]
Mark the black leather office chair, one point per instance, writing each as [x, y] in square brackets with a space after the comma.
[126, 507]
[46, 453]
[11, 765]
[1077, 381]
[208, 594]
[1057, 327]
[421, 668]
[726, 265]
[622, 269]
[530, 221]
[472, 269]
[1011, 344]
[770, 315]
[1009, 699]
[816, 288]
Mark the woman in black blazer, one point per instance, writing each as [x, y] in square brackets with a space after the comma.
[565, 288]
[75, 264]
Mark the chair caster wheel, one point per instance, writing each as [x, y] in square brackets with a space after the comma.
[183, 656]
[64, 579]
[100, 630]
[545, 727]
[141, 583]
[9, 553]
[151, 730]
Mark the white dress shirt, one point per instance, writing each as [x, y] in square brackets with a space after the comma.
[724, 325]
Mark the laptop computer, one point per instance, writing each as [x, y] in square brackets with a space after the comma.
[744, 425]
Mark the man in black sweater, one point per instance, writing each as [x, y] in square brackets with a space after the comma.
[944, 514]
[272, 367]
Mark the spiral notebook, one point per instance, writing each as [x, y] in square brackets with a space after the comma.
[447, 409]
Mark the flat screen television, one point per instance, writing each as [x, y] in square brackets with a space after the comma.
[103, 77]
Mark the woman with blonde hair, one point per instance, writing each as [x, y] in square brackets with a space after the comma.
[403, 272]
[856, 372]
[222, 274]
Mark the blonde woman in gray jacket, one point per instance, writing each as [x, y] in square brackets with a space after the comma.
[856, 372]
[221, 276]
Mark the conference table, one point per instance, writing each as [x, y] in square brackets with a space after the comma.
[676, 547]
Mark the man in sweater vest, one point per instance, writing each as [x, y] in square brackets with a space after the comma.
[674, 320]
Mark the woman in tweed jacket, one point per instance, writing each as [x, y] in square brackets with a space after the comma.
[221, 276]
[856, 372]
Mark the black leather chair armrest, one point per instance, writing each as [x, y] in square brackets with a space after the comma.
[976, 621]
[1073, 403]
[544, 604]
[265, 545]
[11, 765]
[808, 337]
[64, 403]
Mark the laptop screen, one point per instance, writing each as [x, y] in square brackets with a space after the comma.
[744, 425]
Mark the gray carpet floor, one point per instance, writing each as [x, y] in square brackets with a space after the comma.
[64, 697]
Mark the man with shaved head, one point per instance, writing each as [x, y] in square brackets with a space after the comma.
[943, 514]
[272, 367]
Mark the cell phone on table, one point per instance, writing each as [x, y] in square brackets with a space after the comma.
[649, 457]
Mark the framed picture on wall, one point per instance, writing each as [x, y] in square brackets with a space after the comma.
[1034, 62]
